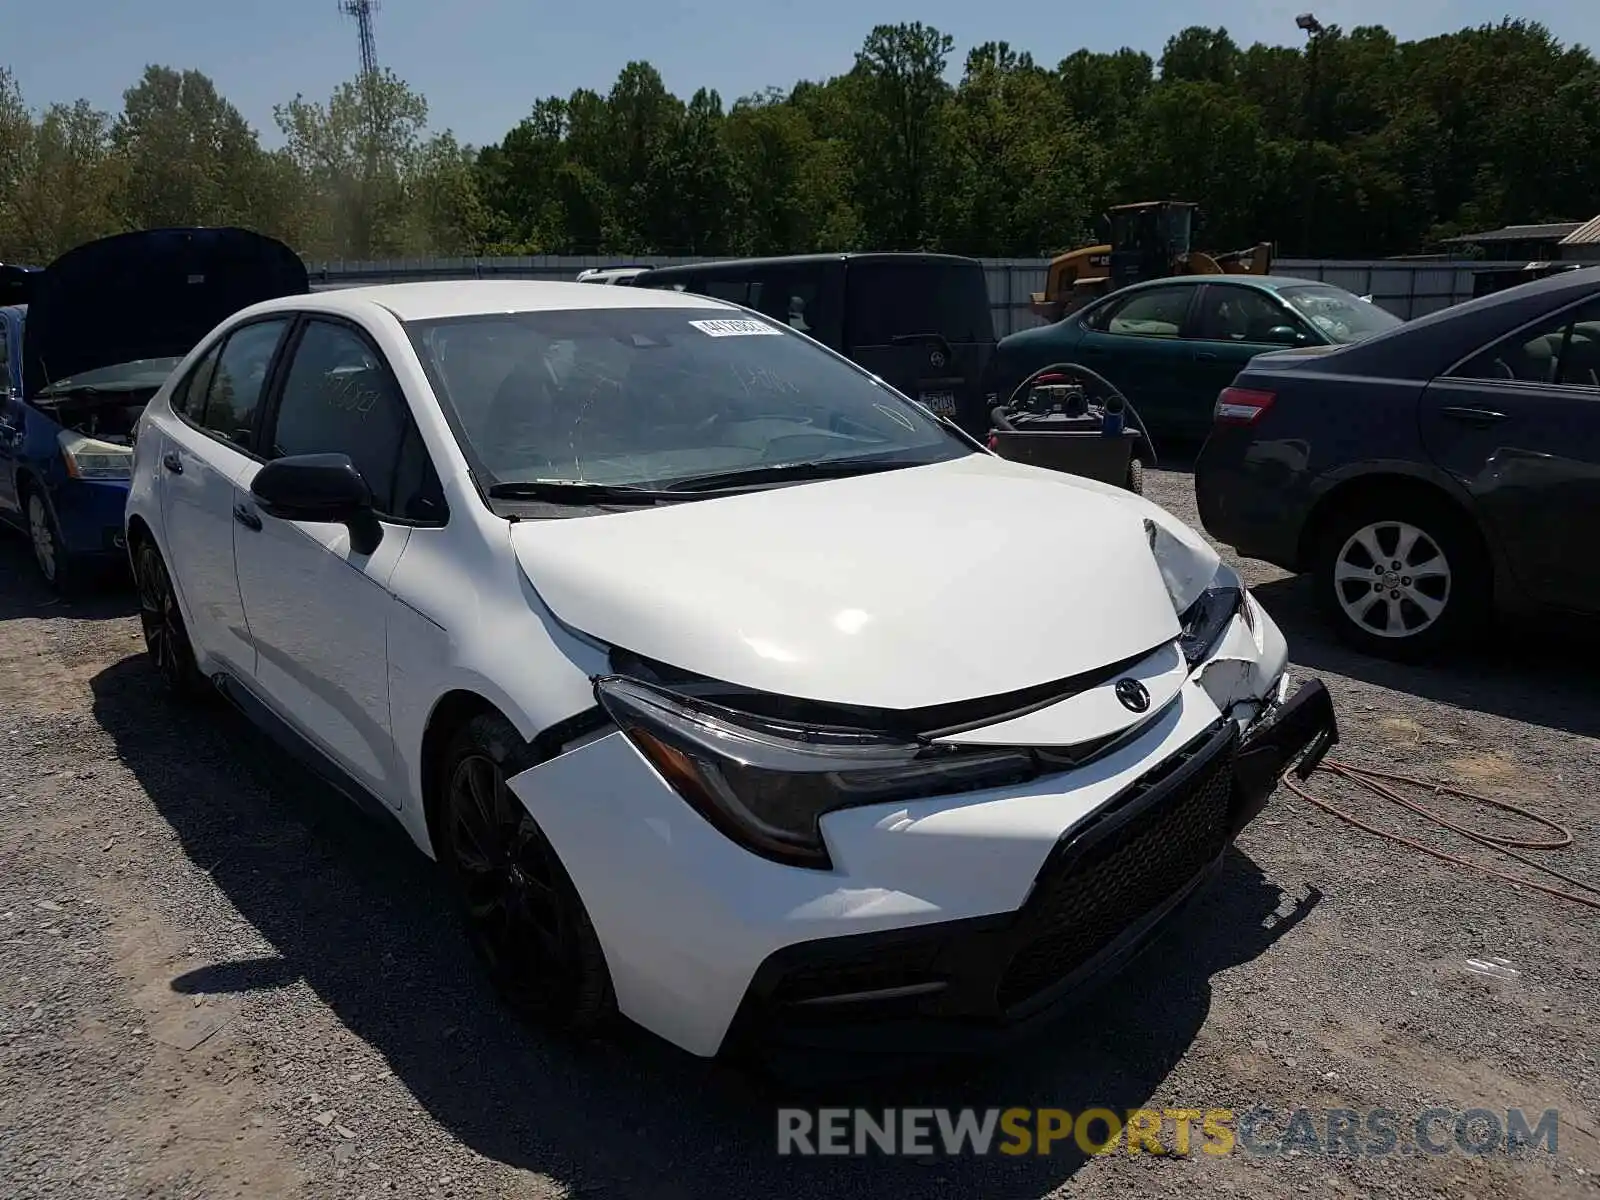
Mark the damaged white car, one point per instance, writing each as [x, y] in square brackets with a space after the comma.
[737, 693]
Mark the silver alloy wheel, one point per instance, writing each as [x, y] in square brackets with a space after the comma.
[43, 537]
[1392, 580]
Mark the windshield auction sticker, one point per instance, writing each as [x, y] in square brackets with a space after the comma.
[736, 328]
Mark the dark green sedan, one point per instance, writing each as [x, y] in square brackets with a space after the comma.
[1170, 345]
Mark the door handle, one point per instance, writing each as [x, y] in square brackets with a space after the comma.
[245, 517]
[1472, 416]
[1205, 356]
[172, 462]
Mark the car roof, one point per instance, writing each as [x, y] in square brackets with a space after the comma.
[1427, 346]
[812, 260]
[1270, 283]
[477, 297]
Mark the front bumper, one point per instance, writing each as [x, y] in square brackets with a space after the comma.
[1106, 889]
[980, 911]
[90, 514]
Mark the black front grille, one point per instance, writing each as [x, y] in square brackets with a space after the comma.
[1174, 823]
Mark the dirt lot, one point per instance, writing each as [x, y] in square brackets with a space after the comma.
[166, 877]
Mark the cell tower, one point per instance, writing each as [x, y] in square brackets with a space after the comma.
[362, 11]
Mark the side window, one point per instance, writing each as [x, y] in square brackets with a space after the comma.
[236, 383]
[340, 398]
[1156, 313]
[790, 297]
[732, 290]
[194, 385]
[1240, 314]
[1561, 349]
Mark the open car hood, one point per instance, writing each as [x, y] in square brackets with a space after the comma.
[16, 283]
[150, 294]
[914, 587]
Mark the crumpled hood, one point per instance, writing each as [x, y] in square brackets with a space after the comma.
[927, 585]
[149, 294]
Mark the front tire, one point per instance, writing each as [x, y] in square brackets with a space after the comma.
[1135, 483]
[50, 555]
[523, 915]
[1402, 576]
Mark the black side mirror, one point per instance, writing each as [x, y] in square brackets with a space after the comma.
[321, 488]
[1285, 335]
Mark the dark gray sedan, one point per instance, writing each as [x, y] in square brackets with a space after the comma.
[1428, 475]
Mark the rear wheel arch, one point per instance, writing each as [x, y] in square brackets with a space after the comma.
[139, 532]
[1362, 488]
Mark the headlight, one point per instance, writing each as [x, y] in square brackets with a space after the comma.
[90, 458]
[1207, 619]
[766, 784]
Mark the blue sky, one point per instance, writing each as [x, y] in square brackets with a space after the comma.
[482, 63]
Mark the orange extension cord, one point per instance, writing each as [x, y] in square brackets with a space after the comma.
[1377, 782]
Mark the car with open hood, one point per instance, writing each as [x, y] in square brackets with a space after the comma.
[663, 629]
[84, 344]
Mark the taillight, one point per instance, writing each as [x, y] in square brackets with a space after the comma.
[994, 442]
[1241, 406]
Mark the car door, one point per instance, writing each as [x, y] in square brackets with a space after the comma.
[10, 414]
[1233, 322]
[318, 608]
[1136, 342]
[923, 326]
[201, 456]
[1518, 423]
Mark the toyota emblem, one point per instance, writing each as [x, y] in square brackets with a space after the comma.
[936, 358]
[1133, 695]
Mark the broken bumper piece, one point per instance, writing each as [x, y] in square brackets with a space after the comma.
[1297, 733]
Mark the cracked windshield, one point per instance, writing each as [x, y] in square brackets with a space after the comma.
[643, 396]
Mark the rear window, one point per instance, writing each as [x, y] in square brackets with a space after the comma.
[889, 300]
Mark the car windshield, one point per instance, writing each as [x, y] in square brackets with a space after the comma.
[1341, 316]
[145, 374]
[651, 396]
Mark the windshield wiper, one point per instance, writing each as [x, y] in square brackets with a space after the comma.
[578, 491]
[794, 472]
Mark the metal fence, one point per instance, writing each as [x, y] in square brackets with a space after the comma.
[1407, 289]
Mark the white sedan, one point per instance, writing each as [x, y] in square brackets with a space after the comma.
[734, 690]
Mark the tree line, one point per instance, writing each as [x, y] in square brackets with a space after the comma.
[1353, 145]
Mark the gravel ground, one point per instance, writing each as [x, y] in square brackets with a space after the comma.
[215, 980]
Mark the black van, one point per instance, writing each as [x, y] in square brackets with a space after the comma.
[920, 322]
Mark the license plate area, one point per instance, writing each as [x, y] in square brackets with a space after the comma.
[942, 403]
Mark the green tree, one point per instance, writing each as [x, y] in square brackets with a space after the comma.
[900, 72]
[359, 155]
[187, 156]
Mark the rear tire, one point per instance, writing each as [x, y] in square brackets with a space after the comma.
[1402, 576]
[1135, 482]
[166, 639]
[523, 916]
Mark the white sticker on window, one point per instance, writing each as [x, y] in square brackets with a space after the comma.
[736, 328]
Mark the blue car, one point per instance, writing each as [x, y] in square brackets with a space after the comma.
[84, 344]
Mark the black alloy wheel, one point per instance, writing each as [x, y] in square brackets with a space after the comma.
[166, 639]
[523, 915]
